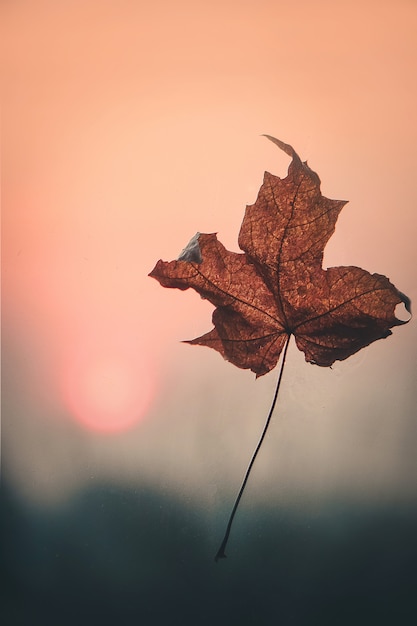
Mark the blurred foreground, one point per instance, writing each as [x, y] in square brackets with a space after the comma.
[114, 556]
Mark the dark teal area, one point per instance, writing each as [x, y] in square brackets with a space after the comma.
[115, 556]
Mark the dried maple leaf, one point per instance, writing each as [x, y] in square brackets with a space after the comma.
[278, 287]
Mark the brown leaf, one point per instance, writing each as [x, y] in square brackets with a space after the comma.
[278, 287]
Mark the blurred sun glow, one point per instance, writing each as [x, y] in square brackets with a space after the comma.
[107, 392]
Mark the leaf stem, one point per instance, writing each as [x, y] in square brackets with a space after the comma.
[221, 551]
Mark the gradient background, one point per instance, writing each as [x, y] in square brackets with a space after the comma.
[127, 127]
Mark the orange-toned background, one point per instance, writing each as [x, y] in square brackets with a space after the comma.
[127, 127]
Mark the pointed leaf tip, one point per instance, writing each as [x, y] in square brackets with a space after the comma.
[283, 146]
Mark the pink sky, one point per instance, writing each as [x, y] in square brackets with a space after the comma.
[127, 127]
